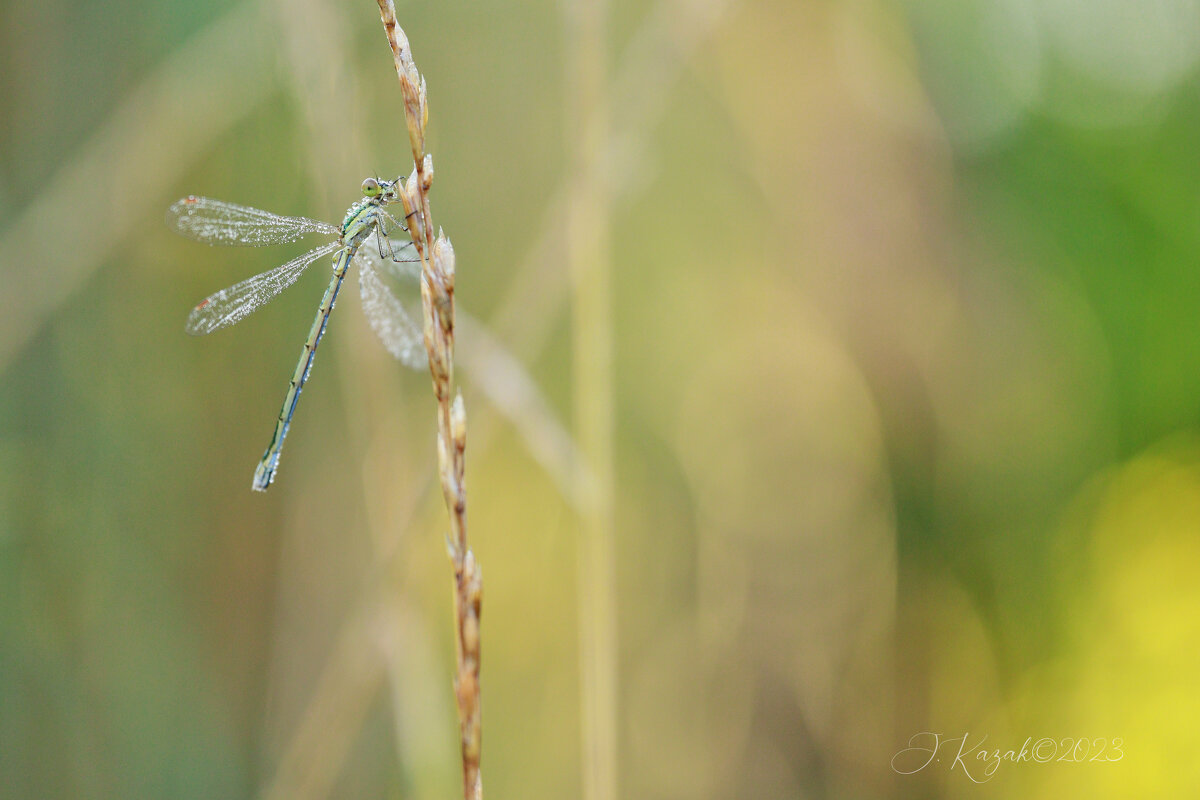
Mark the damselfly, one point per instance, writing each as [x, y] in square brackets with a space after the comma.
[362, 237]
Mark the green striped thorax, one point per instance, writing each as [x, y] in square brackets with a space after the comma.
[376, 193]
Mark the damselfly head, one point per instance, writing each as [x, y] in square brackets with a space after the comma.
[371, 187]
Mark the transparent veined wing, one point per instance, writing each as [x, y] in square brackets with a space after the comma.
[396, 326]
[217, 222]
[230, 305]
[403, 263]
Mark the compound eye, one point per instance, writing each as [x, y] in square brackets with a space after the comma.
[370, 187]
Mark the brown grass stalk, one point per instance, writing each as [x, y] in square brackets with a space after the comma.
[648, 68]
[437, 296]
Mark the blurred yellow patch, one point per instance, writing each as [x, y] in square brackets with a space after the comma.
[1134, 624]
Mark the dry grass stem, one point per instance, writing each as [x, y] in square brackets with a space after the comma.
[170, 105]
[649, 66]
[437, 296]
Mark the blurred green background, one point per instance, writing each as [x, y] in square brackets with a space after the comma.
[906, 386]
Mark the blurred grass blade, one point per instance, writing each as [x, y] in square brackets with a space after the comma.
[508, 386]
[126, 168]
